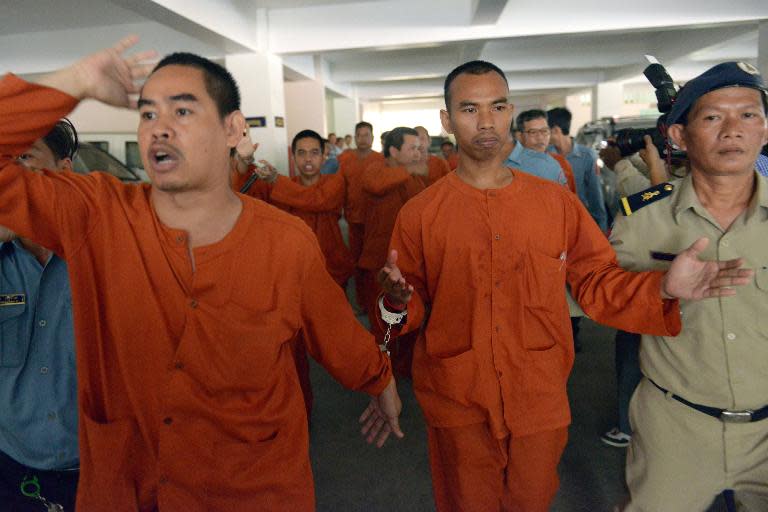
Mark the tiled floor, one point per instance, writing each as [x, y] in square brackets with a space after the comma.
[351, 476]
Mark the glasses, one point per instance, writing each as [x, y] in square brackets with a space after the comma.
[534, 133]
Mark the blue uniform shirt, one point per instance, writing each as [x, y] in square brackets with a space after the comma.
[762, 165]
[538, 164]
[330, 166]
[583, 161]
[38, 383]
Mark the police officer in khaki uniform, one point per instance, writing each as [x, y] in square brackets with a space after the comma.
[700, 414]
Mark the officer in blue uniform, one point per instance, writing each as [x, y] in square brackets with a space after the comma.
[38, 387]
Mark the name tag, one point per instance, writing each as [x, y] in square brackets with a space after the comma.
[13, 299]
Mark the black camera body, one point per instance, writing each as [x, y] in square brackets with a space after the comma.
[630, 140]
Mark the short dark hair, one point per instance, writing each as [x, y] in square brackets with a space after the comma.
[62, 140]
[219, 83]
[308, 134]
[560, 117]
[396, 137]
[475, 67]
[446, 142]
[529, 115]
[363, 124]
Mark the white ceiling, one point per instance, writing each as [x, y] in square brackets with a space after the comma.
[389, 49]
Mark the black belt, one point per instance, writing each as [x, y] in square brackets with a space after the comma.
[724, 415]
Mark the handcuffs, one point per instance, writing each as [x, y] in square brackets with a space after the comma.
[391, 319]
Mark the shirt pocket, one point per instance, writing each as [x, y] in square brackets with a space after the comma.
[545, 303]
[14, 341]
[544, 281]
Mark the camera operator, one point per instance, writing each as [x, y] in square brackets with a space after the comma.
[699, 414]
[637, 171]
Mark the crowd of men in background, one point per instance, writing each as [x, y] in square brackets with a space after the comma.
[461, 262]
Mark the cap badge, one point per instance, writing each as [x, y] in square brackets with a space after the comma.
[748, 68]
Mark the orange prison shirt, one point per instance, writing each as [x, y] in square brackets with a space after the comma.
[320, 207]
[321, 210]
[438, 168]
[492, 265]
[386, 189]
[565, 165]
[352, 167]
[259, 189]
[188, 394]
[453, 161]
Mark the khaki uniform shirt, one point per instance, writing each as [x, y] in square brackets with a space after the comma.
[720, 358]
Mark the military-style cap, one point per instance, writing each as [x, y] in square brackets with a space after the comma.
[727, 74]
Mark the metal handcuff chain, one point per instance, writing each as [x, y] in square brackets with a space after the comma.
[391, 319]
[30, 487]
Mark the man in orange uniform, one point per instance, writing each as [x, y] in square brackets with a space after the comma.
[450, 154]
[351, 165]
[317, 200]
[186, 299]
[489, 249]
[387, 186]
[437, 166]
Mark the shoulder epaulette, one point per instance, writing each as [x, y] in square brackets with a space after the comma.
[631, 204]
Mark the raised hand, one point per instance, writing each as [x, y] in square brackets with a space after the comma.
[266, 171]
[393, 282]
[246, 148]
[244, 152]
[380, 418]
[690, 278]
[657, 170]
[107, 75]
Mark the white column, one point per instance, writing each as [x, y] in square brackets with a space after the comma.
[260, 77]
[346, 114]
[762, 49]
[607, 99]
[580, 104]
[304, 107]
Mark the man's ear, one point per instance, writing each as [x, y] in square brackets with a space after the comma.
[676, 132]
[445, 120]
[765, 137]
[65, 164]
[235, 126]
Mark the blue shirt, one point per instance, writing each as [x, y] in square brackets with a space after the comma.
[330, 166]
[583, 160]
[762, 164]
[38, 382]
[538, 164]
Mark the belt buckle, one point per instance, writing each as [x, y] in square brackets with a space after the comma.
[736, 416]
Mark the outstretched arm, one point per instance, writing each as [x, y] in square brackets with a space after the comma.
[337, 341]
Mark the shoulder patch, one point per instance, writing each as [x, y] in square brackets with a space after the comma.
[631, 204]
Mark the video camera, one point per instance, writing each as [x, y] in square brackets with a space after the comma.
[630, 140]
